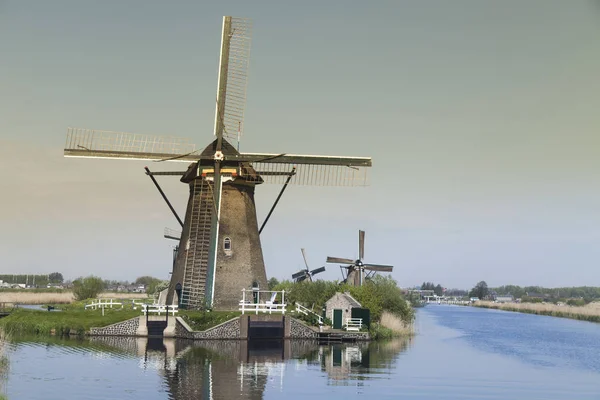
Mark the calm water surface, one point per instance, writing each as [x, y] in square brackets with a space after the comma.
[459, 353]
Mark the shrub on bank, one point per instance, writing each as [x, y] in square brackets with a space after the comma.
[87, 288]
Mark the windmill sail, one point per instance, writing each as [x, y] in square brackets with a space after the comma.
[355, 270]
[233, 77]
[93, 143]
[311, 170]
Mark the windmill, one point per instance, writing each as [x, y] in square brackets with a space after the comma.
[219, 250]
[306, 273]
[355, 270]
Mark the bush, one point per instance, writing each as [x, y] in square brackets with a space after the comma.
[378, 295]
[87, 288]
[576, 302]
[526, 299]
[309, 294]
[382, 294]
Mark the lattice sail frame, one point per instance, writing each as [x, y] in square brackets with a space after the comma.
[237, 77]
[310, 170]
[91, 143]
[311, 174]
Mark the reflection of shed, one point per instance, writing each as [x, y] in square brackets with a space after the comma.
[343, 302]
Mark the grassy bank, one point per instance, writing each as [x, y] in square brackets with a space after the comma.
[40, 296]
[201, 321]
[71, 322]
[590, 312]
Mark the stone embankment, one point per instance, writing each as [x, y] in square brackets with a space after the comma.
[236, 328]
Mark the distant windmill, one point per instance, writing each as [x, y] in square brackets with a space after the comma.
[306, 273]
[219, 250]
[355, 270]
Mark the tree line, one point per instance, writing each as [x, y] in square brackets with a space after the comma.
[32, 279]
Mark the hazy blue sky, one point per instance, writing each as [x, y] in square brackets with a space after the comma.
[482, 118]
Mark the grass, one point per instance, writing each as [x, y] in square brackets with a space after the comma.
[68, 322]
[201, 321]
[590, 312]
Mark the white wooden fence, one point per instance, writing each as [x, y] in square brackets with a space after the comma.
[102, 303]
[353, 324]
[256, 304]
[159, 309]
[303, 310]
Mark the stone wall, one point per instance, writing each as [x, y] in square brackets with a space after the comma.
[298, 330]
[227, 330]
[124, 328]
[356, 335]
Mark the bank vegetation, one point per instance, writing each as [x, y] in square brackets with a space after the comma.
[589, 312]
[391, 315]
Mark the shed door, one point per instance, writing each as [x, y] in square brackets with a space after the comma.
[337, 319]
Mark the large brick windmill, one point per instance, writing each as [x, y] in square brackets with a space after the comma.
[219, 250]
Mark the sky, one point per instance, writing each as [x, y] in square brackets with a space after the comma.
[481, 118]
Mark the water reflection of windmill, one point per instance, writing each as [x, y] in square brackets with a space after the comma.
[219, 249]
[355, 270]
[306, 273]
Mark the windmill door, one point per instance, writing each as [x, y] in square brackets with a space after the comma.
[337, 319]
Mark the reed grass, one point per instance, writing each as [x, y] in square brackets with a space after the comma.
[589, 312]
[31, 297]
[391, 326]
[36, 298]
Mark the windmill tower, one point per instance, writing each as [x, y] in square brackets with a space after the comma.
[219, 250]
[306, 273]
[355, 270]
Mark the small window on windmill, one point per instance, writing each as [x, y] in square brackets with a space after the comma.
[227, 246]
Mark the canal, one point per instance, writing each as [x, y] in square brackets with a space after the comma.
[458, 353]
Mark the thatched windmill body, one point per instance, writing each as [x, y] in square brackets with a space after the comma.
[219, 250]
[356, 271]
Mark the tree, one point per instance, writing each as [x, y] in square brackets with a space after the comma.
[146, 280]
[87, 288]
[157, 287]
[273, 282]
[480, 290]
[55, 277]
[439, 290]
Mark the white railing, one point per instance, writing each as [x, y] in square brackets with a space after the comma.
[103, 303]
[159, 309]
[303, 310]
[257, 304]
[353, 324]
